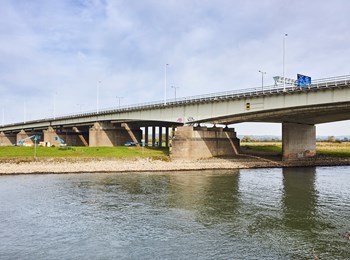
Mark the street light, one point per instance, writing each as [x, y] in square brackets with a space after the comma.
[54, 105]
[3, 116]
[175, 90]
[97, 96]
[165, 83]
[24, 111]
[119, 98]
[80, 106]
[284, 61]
[262, 79]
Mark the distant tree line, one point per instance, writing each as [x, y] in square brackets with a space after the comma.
[333, 139]
[329, 139]
[250, 139]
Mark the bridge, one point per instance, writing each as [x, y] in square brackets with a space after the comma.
[297, 108]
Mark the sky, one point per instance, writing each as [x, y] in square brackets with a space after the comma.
[54, 55]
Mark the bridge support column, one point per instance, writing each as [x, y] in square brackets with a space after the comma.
[49, 137]
[166, 136]
[7, 139]
[107, 134]
[200, 142]
[160, 136]
[146, 136]
[153, 136]
[298, 141]
[28, 142]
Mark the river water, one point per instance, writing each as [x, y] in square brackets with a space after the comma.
[293, 213]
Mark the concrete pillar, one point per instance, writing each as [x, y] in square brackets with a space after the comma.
[166, 136]
[146, 136]
[49, 137]
[7, 139]
[25, 135]
[160, 136]
[106, 134]
[102, 134]
[153, 136]
[201, 142]
[78, 137]
[298, 141]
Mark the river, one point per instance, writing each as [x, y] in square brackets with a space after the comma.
[290, 213]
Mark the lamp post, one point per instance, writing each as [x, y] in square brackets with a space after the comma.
[24, 111]
[119, 98]
[80, 106]
[262, 79]
[165, 82]
[3, 115]
[97, 96]
[54, 105]
[284, 61]
[174, 90]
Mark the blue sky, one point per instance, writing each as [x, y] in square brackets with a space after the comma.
[59, 50]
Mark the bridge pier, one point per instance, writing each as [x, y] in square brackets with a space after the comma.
[49, 137]
[7, 139]
[298, 141]
[23, 134]
[160, 136]
[146, 136]
[153, 136]
[201, 142]
[107, 134]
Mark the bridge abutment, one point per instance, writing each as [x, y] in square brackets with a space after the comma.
[298, 141]
[7, 139]
[201, 142]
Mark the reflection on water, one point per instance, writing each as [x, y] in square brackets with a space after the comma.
[289, 213]
[299, 198]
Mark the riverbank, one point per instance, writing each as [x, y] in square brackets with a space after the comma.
[90, 165]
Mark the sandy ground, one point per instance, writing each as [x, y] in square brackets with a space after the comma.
[88, 165]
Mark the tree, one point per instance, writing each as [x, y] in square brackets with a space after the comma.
[331, 139]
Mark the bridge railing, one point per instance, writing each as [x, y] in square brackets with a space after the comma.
[249, 92]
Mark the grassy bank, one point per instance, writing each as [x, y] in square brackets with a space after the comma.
[322, 148]
[78, 151]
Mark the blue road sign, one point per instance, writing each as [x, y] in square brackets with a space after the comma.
[303, 80]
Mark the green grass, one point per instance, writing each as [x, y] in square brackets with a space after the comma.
[340, 150]
[78, 151]
[334, 149]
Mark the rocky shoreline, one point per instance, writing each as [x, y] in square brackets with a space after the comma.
[97, 165]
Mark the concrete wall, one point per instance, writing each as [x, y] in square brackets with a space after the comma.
[298, 141]
[25, 134]
[69, 136]
[7, 139]
[201, 142]
[106, 134]
[49, 137]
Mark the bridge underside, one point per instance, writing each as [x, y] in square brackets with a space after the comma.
[311, 115]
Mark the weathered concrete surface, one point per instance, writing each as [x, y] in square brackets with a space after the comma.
[298, 141]
[201, 142]
[25, 134]
[107, 134]
[7, 139]
[71, 137]
[49, 137]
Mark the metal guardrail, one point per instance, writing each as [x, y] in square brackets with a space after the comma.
[234, 94]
